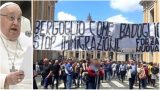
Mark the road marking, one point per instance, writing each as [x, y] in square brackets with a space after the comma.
[105, 85]
[118, 84]
[150, 87]
[136, 87]
[133, 85]
[125, 81]
[61, 85]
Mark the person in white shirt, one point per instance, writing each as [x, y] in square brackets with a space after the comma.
[15, 50]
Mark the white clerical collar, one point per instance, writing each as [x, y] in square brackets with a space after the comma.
[2, 35]
[10, 44]
[6, 39]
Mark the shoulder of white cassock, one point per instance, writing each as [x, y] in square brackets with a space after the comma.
[24, 40]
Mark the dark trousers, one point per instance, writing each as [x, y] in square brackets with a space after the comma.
[139, 84]
[153, 82]
[90, 84]
[131, 81]
[143, 82]
[57, 81]
[105, 75]
[93, 83]
[149, 79]
[42, 80]
[46, 83]
[34, 84]
[122, 75]
[98, 79]
[118, 75]
[64, 78]
[78, 80]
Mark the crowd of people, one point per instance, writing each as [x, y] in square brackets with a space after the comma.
[90, 73]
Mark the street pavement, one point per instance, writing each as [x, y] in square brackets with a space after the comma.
[114, 84]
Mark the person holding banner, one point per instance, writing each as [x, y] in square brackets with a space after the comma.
[15, 53]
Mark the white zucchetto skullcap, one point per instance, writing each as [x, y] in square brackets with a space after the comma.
[6, 4]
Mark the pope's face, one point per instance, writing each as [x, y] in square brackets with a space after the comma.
[11, 21]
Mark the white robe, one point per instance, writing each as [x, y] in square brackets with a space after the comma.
[23, 61]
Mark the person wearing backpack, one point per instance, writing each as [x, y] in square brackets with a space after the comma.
[155, 71]
[142, 76]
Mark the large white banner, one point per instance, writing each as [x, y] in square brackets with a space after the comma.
[96, 35]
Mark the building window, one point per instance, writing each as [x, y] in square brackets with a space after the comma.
[98, 54]
[152, 15]
[83, 54]
[126, 57]
[77, 54]
[49, 16]
[92, 54]
[110, 55]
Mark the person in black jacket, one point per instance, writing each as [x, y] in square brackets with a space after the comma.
[34, 75]
[155, 71]
[46, 73]
[63, 74]
[55, 71]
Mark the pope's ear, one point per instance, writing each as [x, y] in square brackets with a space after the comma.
[26, 26]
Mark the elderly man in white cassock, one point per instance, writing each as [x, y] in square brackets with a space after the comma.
[16, 50]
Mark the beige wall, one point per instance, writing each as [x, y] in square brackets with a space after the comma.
[149, 57]
[43, 10]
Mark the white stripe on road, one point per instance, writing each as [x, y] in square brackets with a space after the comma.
[125, 81]
[150, 87]
[118, 84]
[61, 85]
[105, 85]
[136, 87]
[133, 85]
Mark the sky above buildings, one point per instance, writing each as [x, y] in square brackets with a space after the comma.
[122, 11]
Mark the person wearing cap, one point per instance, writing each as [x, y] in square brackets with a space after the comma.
[15, 49]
